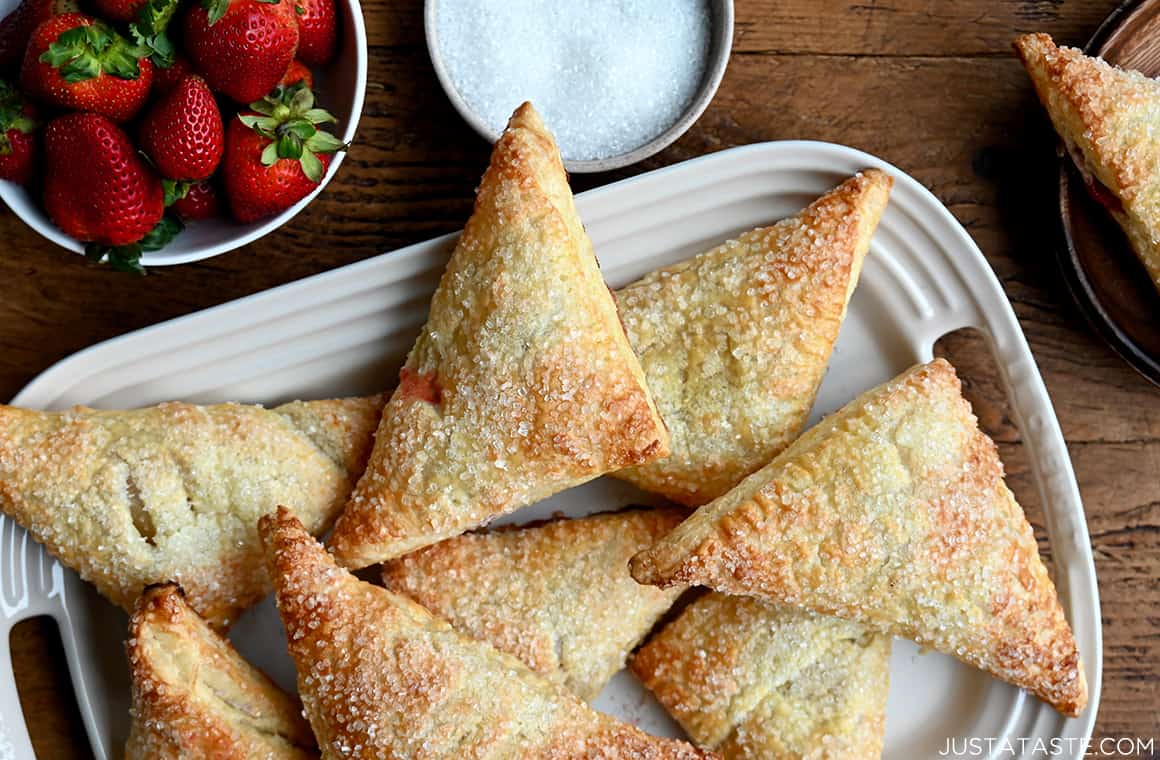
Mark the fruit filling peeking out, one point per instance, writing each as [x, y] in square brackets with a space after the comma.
[421, 386]
[1100, 192]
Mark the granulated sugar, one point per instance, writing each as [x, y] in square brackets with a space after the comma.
[606, 75]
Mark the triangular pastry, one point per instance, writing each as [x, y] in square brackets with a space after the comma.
[174, 492]
[1107, 117]
[556, 595]
[891, 512]
[758, 682]
[521, 384]
[734, 343]
[382, 677]
[195, 697]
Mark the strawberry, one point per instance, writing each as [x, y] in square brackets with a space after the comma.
[297, 73]
[119, 10]
[182, 132]
[275, 153]
[18, 25]
[317, 33]
[17, 136]
[196, 202]
[165, 79]
[241, 47]
[97, 188]
[76, 62]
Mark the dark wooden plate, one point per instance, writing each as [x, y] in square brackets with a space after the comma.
[1108, 282]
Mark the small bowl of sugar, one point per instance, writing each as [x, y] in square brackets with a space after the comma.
[615, 81]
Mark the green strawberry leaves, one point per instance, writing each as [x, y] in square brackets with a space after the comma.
[215, 9]
[85, 52]
[173, 190]
[12, 116]
[127, 258]
[287, 117]
[149, 31]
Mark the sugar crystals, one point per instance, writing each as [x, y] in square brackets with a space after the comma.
[606, 75]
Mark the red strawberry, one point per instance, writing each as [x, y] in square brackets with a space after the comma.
[166, 79]
[317, 33]
[76, 62]
[241, 47]
[96, 186]
[297, 73]
[275, 154]
[17, 136]
[119, 10]
[182, 133]
[17, 27]
[199, 202]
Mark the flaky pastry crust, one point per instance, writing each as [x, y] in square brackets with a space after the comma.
[521, 384]
[556, 595]
[382, 678]
[759, 682]
[1107, 116]
[735, 342]
[891, 512]
[195, 698]
[174, 492]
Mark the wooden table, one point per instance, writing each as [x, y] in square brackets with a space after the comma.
[930, 85]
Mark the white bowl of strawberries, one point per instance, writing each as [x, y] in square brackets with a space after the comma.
[153, 132]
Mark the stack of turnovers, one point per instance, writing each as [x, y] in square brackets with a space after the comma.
[382, 677]
[893, 513]
[735, 343]
[174, 492]
[521, 384]
[1107, 118]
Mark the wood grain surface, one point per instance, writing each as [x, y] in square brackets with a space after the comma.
[930, 85]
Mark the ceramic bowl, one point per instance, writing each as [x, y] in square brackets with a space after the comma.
[340, 85]
[720, 46]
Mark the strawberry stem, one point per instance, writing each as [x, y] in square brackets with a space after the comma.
[85, 52]
[12, 116]
[127, 258]
[150, 30]
[287, 117]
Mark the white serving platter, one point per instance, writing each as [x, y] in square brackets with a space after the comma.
[347, 331]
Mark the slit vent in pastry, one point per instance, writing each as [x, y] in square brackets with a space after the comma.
[174, 492]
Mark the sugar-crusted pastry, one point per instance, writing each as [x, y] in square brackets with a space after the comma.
[557, 595]
[521, 384]
[381, 677]
[1107, 117]
[891, 512]
[174, 492]
[734, 342]
[759, 682]
[195, 698]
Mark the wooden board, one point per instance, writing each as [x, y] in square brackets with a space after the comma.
[930, 85]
